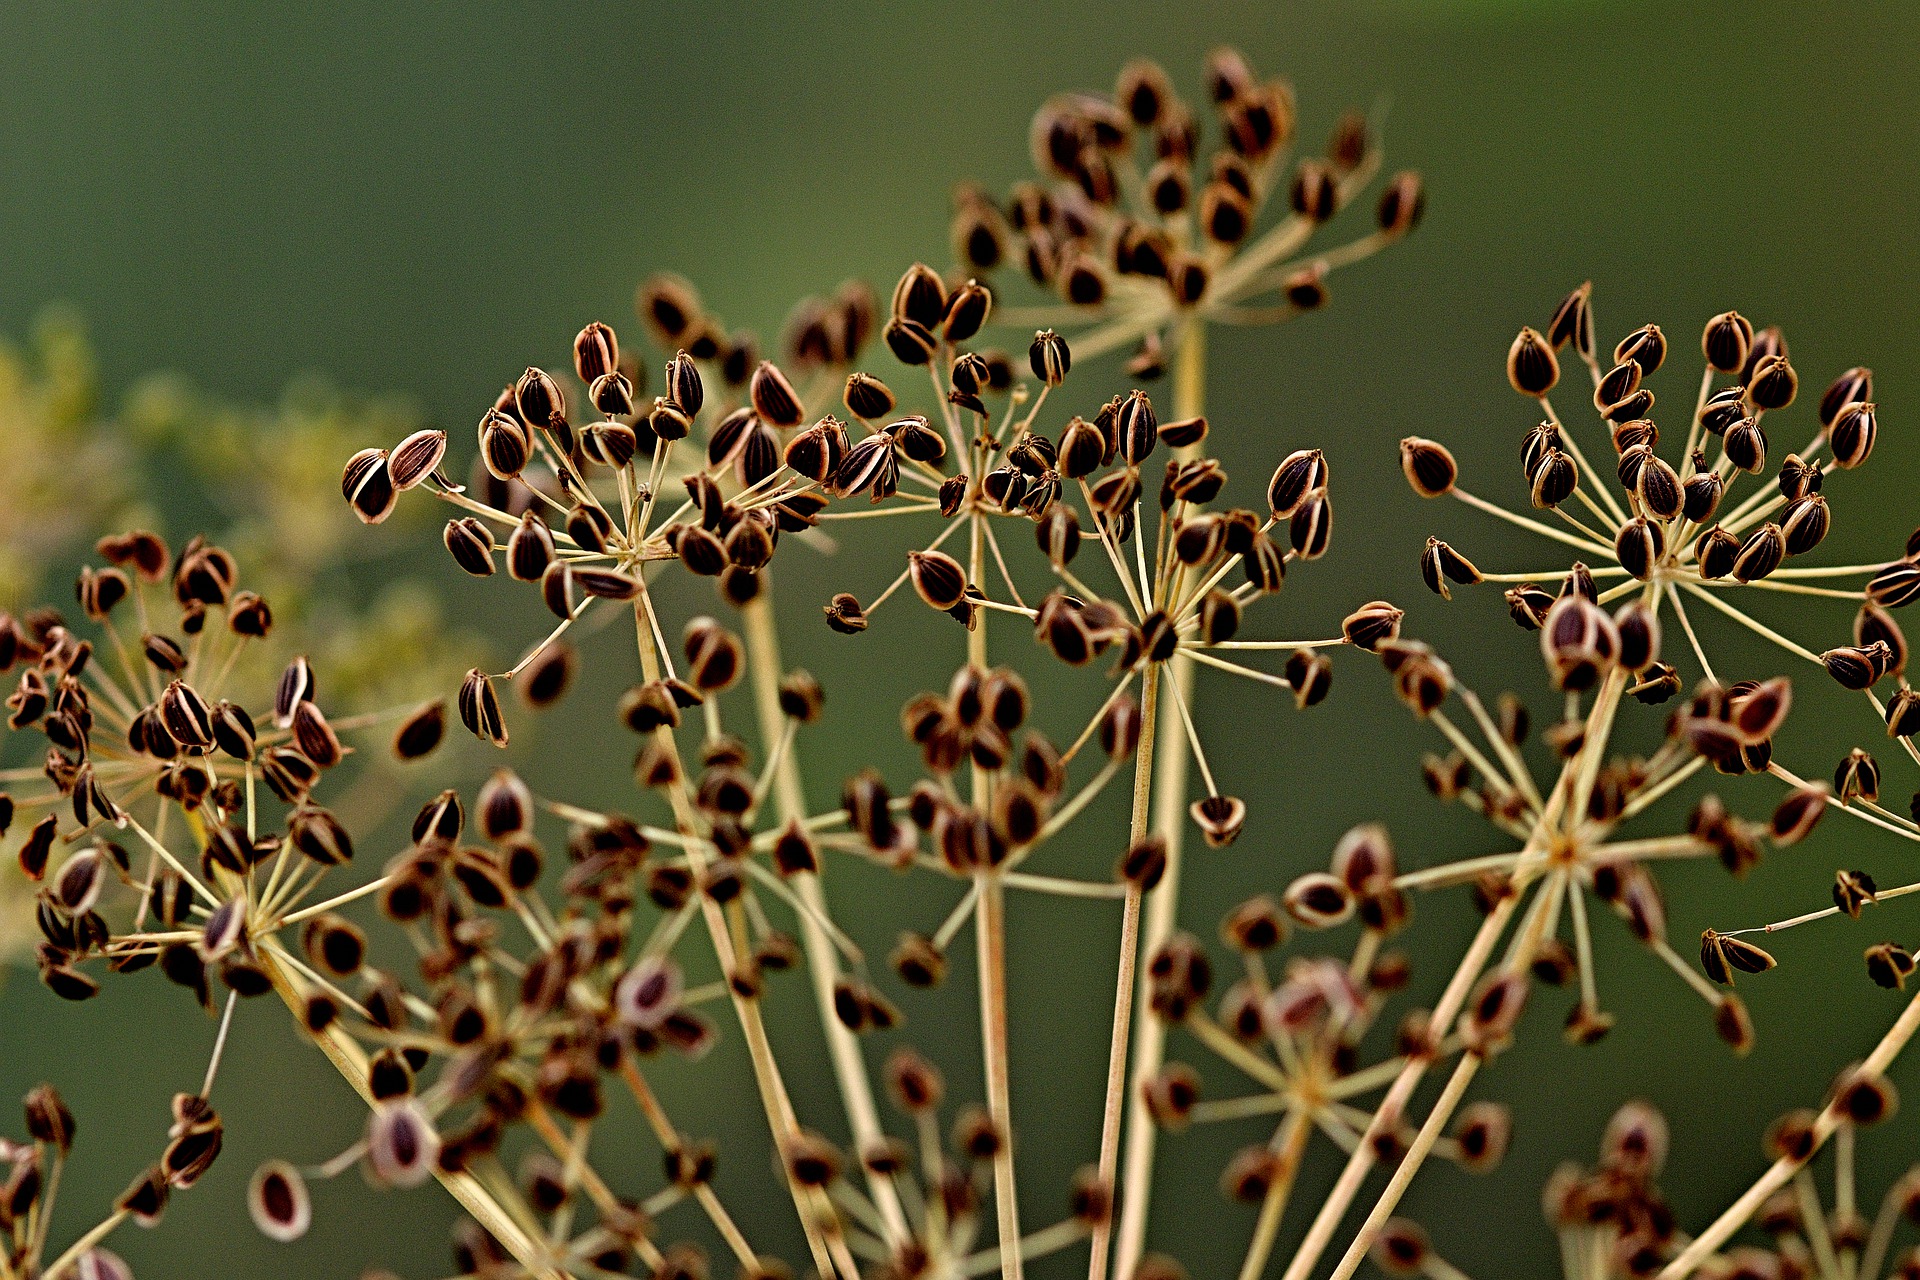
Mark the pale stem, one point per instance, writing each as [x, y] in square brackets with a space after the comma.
[1167, 792]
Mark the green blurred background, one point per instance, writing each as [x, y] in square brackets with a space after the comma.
[424, 199]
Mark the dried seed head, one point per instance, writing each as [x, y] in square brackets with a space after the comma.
[1636, 1142]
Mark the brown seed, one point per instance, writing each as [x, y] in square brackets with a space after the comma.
[1531, 366]
[1890, 965]
[480, 708]
[415, 458]
[278, 1202]
[368, 486]
[1429, 468]
[1722, 955]
[1573, 322]
[421, 732]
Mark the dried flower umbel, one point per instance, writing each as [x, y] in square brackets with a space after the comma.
[1143, 234]
[763, 466]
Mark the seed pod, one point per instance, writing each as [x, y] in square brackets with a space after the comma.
[278, 1202]
[845, 615]
[1493, 1011]
[415, 458]
[1531, 365]
[1852, 434]
[1441, 563]
[773, 397]
[81, 878]
[938, 578]
[1760, 554]
[1310, 674]
[1716, 550]
[1371, 625]
[1639, 629]
[1855, 667]
[1645, 347]
[505, 447]
[1890, 965]
[1857, 777]
[1137, 428]
[1658, 488]
[1299, 474]
[1772, 383]
[470, 543]
[1746, 446]
[315, 737]
[368, 486]
[1638, 546]
[1554, 479]
[1702, 496]
[1903, 714]
[917, 440]
[1799, 813]
[186, 715]
[1310, 528]
[401, 1144]
[1429, 468]
[420, 732]
[1319, 900]
[1483, 1131]
[529, 548]
[1852, 891]
[1616, 385]
[1050, 357]
[1721, 956]
[1726, 340]
[1402, 202]
[1220, 819]
[1894, 586]
[480, 708]
[1573, 322]
[538, 399]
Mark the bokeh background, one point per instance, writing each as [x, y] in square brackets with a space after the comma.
[417, 201]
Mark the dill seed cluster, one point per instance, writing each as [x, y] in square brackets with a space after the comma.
[562, 958]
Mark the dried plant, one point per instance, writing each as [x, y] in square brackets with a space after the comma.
[182, 818]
